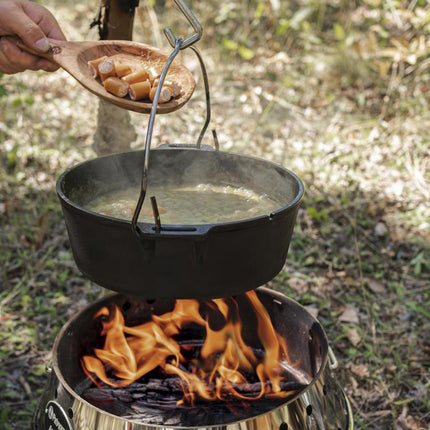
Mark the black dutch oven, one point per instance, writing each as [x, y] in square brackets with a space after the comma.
[179, 261]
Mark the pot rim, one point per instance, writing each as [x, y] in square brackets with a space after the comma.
[148, 228]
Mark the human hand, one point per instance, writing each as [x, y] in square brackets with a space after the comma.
[33, 24]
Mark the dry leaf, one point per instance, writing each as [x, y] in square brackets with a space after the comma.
[299, 285]
[7, 316]
[411, 423]
[349, 315]
[43, 223]
[353, 382]
[382, 66]
[360, 370]
[375, 285]
[350, 281]
[353, 336]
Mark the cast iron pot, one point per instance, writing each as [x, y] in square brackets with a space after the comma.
[178, 261]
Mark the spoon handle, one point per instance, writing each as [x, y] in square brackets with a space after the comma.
[49, 55]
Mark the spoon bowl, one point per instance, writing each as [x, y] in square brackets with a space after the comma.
[73, 57]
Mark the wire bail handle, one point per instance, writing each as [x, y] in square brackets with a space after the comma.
[178, 44]
[194, 23]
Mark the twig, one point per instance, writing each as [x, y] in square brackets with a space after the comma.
[25, 385]
[362, 285]
[412, 4]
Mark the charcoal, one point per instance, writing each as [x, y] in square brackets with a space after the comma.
[169, 389]
[124, 396]
[155, 401]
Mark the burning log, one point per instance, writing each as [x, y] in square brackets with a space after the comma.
[169, 390]
[156, 401]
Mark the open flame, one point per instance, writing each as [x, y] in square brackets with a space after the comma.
[221, 367]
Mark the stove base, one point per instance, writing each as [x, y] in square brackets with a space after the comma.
[323, 406]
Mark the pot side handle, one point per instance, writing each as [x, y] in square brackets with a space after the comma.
[150, 231]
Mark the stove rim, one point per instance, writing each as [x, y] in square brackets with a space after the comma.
[275, 295]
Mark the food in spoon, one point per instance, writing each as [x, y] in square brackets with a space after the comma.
[173, 85]
[116, 86]
[165, 94]
[137, 76]
[153, 74]
[122, 69]
[139, 90]
[94, 65]
[137, 82]
[106, 69]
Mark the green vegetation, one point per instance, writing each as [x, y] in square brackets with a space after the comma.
[337, 91]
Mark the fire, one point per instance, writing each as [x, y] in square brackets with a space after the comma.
[219, 368]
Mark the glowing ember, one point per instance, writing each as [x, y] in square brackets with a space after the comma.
[215, 369]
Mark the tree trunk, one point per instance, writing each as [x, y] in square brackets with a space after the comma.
[120, 19]
[114, 131]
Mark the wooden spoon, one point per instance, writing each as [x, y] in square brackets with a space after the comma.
[73, 57]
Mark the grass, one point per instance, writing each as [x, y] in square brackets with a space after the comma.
[360, 255]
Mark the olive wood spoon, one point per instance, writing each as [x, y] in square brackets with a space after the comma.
[73, 57]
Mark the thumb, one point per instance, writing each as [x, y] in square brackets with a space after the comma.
[29, 32]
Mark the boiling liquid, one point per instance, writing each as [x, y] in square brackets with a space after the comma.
[200, 204]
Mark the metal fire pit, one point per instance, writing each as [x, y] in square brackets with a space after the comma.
[320, 405]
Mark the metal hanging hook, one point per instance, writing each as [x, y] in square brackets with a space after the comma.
[178, 44]
[194, 23]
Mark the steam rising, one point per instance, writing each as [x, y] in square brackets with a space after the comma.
[179, 167]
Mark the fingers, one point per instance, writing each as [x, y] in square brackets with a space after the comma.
[16, 21]
[46, 65]
[13, 60]
[44, 19]
[33, 24]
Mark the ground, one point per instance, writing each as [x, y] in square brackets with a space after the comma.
[336, 92]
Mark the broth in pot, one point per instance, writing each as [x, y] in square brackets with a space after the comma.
[200, 204]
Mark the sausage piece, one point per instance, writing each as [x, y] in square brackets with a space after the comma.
[173, 85]
[140, 75]
[106, 69]
[122, 69]
[165, 95]
[116, 86]
[153, 74]
[139, 90]
[94, 66]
